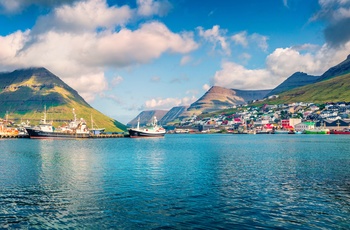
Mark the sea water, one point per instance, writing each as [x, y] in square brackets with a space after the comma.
[181, 181]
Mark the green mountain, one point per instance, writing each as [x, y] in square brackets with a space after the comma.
[296, 80]
[335, 89]
[24, 94]
[219, 98]
[340, 69]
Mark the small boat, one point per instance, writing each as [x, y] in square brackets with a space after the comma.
[45, 130]
[281, 131]
[95, 131]
[343, 131]
[297, 132]
[152, 130]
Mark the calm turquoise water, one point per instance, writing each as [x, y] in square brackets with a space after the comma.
[177, 182]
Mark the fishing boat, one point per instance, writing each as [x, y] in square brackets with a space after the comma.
[45, 130]
[94, 130]
[7, 128]
[316, 131]
[152, 130]
[343, 131]
[281, 131]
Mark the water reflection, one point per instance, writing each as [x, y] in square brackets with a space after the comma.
[180, 181]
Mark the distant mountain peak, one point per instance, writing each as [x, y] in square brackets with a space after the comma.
[219, 98]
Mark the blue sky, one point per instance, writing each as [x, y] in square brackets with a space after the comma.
[127, 56]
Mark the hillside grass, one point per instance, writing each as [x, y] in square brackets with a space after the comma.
[62, 114]
[332, 90]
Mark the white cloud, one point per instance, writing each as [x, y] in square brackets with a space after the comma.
[155, 79]
[9, 47]
[245, 56]
[206, 87]
[284, 62]
[10, 6]
[306, 47]
[151, 7]
[216, 36]
[185, 59]
[84, 16]
[233, 75]
[335, 14]
[168, 103]
[117, 80]
[243, 39]
[261, 41]
[280, 64]
[89, 88]
[79, 56]
[240, 39]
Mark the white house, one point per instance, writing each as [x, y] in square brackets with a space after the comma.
[304, 125]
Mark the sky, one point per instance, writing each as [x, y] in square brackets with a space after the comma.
[127, 56]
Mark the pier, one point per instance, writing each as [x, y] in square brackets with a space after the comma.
[13, 136]
[107, 135]
[102, 135]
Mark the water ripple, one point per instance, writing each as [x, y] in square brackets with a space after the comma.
[177, 182]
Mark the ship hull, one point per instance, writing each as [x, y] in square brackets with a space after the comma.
[134, 133]
[38, 134]
[340, 132]
[315, 131]
[281, 132]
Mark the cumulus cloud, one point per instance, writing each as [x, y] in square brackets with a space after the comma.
[261, 41]
[84, 16]
[9, 46]
[336, 14]
[280, 64]
[216, 36]
[285, 61]
[168, 103]
[240, 39]
[243, 39]
[79, 56]
[150, 7]
[245, 57]
[233, 75]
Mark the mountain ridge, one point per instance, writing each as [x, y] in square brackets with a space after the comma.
[337, 70]
[334, 89]
[25, 92]
[219, 98]
[296, 80]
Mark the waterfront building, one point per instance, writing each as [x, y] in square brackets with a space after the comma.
[291, 122]
[304, 125]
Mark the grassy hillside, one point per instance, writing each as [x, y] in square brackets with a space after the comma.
[64, 113]
[332, 90]
[25, 93]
